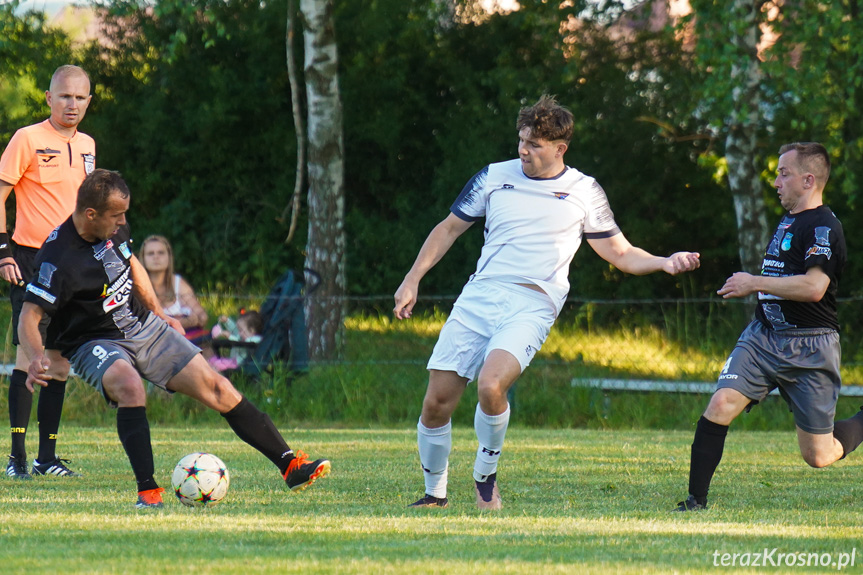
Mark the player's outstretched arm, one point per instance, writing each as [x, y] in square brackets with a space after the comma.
[808, 287]
[617, 251]
[437, 244]
[31, 344]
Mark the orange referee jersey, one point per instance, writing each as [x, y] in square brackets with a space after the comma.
[45, 169]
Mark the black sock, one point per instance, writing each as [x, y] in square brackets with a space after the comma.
[48, 412]
[706, 452]
[134, 431]
[849, 432]
[20, 404]
[256, 428]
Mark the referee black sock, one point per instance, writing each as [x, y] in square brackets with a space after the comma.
[134, 431]
[48, 412]
[706, 452]
[849, 432]
[20, 404]
[256, 428]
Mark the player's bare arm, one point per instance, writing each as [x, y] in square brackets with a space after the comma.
[31, 342]
[808, 287]
[143, 290]
[8, 268]
[617, 251]
[437, 244]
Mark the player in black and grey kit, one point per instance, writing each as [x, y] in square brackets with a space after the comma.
[107, 321]
[793, 342]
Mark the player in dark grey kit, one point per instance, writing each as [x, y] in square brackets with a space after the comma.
[793, 342]
[109, 324]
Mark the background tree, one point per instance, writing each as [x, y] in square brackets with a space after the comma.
[726, 38]
[325, 249]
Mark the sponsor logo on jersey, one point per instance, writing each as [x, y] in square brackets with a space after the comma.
[47, 155]
[52, 236]
[560, 195]
[508, 187]
[786, 242]
[819, 251]
[773, 248]
[773, 264]
[89, 163]
[101, 253]
[46, 272]
[118, 293]
[124, 249]
[41, 293]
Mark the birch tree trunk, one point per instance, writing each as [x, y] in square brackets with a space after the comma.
[741, 141]
[325, 250]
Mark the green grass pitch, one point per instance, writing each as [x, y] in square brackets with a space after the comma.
[576, 501]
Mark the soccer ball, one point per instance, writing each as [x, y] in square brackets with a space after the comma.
[200, 479]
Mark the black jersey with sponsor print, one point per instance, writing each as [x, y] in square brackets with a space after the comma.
[810, 238]
[86, 287]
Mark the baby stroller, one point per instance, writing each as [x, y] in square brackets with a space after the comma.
[283, 338]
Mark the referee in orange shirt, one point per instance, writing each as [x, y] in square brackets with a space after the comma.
[44, 164]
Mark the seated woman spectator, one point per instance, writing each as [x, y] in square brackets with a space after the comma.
[175, 294]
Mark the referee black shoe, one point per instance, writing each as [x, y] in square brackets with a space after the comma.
[690, 504]
[56, 467]
[431, 501]
[17, 468]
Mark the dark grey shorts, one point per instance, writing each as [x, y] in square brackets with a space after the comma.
[157, 352]
[25, 257]
[803, 364]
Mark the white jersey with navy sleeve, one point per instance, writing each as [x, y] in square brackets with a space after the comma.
[533, 227]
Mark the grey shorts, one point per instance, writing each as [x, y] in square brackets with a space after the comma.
[803, 364]
[158, 352]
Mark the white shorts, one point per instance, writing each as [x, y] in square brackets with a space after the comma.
[490, 315]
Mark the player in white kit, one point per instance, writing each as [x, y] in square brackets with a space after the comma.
[536, 210]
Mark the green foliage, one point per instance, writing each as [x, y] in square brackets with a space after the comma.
[192, 105]
[444, 102]
[816, 67]
[30, 52]
[194, 110]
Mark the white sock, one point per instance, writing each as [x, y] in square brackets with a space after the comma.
[490, 431]
[434, 447]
